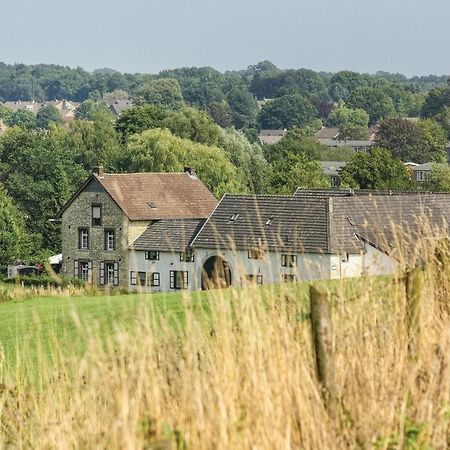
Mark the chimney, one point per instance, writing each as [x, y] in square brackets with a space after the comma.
[189, 170]
[98, 170]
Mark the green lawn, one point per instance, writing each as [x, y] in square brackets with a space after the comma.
[34, 328]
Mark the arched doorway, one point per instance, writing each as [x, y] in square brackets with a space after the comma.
[216, 273]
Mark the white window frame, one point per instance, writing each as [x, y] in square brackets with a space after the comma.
[187, 256]
[133, 280]
[83, 238]
[156, 255]
[110, 240]
[288, 260]
[175, 278]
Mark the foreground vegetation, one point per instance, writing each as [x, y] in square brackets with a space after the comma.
[226, 369]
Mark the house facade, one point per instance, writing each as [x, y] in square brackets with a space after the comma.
[110, 211]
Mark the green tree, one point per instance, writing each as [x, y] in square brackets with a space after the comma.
[439, 178]
[190, 123]
[160, 151]
[374, 101]
[221, 113]
[248, 158]
[15, 243]
[140, 118]
[5, 112]
[48, 114]
[410, 142]
[435, 101]
[286, 112]
[344, 117]
[435, 139]
[22, 118]
[163, 92]
[375, 170]
[294, 171]
[243, 106]
[90, 109]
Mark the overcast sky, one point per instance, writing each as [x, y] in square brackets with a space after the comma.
[408, 36]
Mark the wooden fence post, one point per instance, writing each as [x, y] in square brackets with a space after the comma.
[414, 292]
[322, 338]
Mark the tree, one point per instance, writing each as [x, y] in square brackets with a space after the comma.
[344, 83]
[221, 113]
[22, 118]
[48, 114]
[15, 243]
[377, 169]
[344, 117]
[439, 178]
[140, 118]
[294, 171]
[243, 106]
[409, 142]
[90, 109]
[163, 92]
[286, 112]
[160, 151]
[248, 158]
[5, 112]
[374, 101]
[190, 123]
[435, 139]
[435, 101]
[443, 119]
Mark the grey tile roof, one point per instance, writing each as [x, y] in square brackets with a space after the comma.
[270, 222]
[168, 235]
[325, 221]
[348, 143]
[327, 133]
[332, 168]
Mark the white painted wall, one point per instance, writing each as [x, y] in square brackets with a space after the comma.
[309, 266]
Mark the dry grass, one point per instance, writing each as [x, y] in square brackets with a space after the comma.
[242, 376]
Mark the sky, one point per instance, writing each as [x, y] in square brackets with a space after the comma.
[406, 36]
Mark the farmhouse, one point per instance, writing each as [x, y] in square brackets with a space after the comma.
[162, 232]
[110, 211]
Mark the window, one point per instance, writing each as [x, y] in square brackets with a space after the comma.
[133, 278]
[334, 181]
[110, 240]
[109, 273]
[152, 255]
[142, 278]
[421, 175]
[255, 253]
[83, 239]
[154, 279]
[258, 279]
[83, 270]
[289, 260]
[287, 278]
[96, 215]
[178, 279]
[187, 256]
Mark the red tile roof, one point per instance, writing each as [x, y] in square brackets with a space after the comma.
[153, 196]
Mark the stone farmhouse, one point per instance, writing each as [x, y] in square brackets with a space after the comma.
[162, 232]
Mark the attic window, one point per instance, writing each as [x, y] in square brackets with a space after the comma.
[351, 222]
[234, 217]
[269, 221]
[152, 205]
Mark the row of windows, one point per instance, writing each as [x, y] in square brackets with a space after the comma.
[109, 272]
[286, 260]
[153, 255]
[84, 239]
[179, 279]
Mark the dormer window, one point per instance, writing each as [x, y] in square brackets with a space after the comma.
[269, 221]
[234, 217]
[152, 205]
[96, 215]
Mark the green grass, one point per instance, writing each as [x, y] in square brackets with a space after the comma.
[37, 328]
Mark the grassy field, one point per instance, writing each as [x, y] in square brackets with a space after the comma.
[230, 369]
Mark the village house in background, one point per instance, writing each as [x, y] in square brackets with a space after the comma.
[270, 137]
[66, 108]
[118, 106]
[330, 137]
[331, 170]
